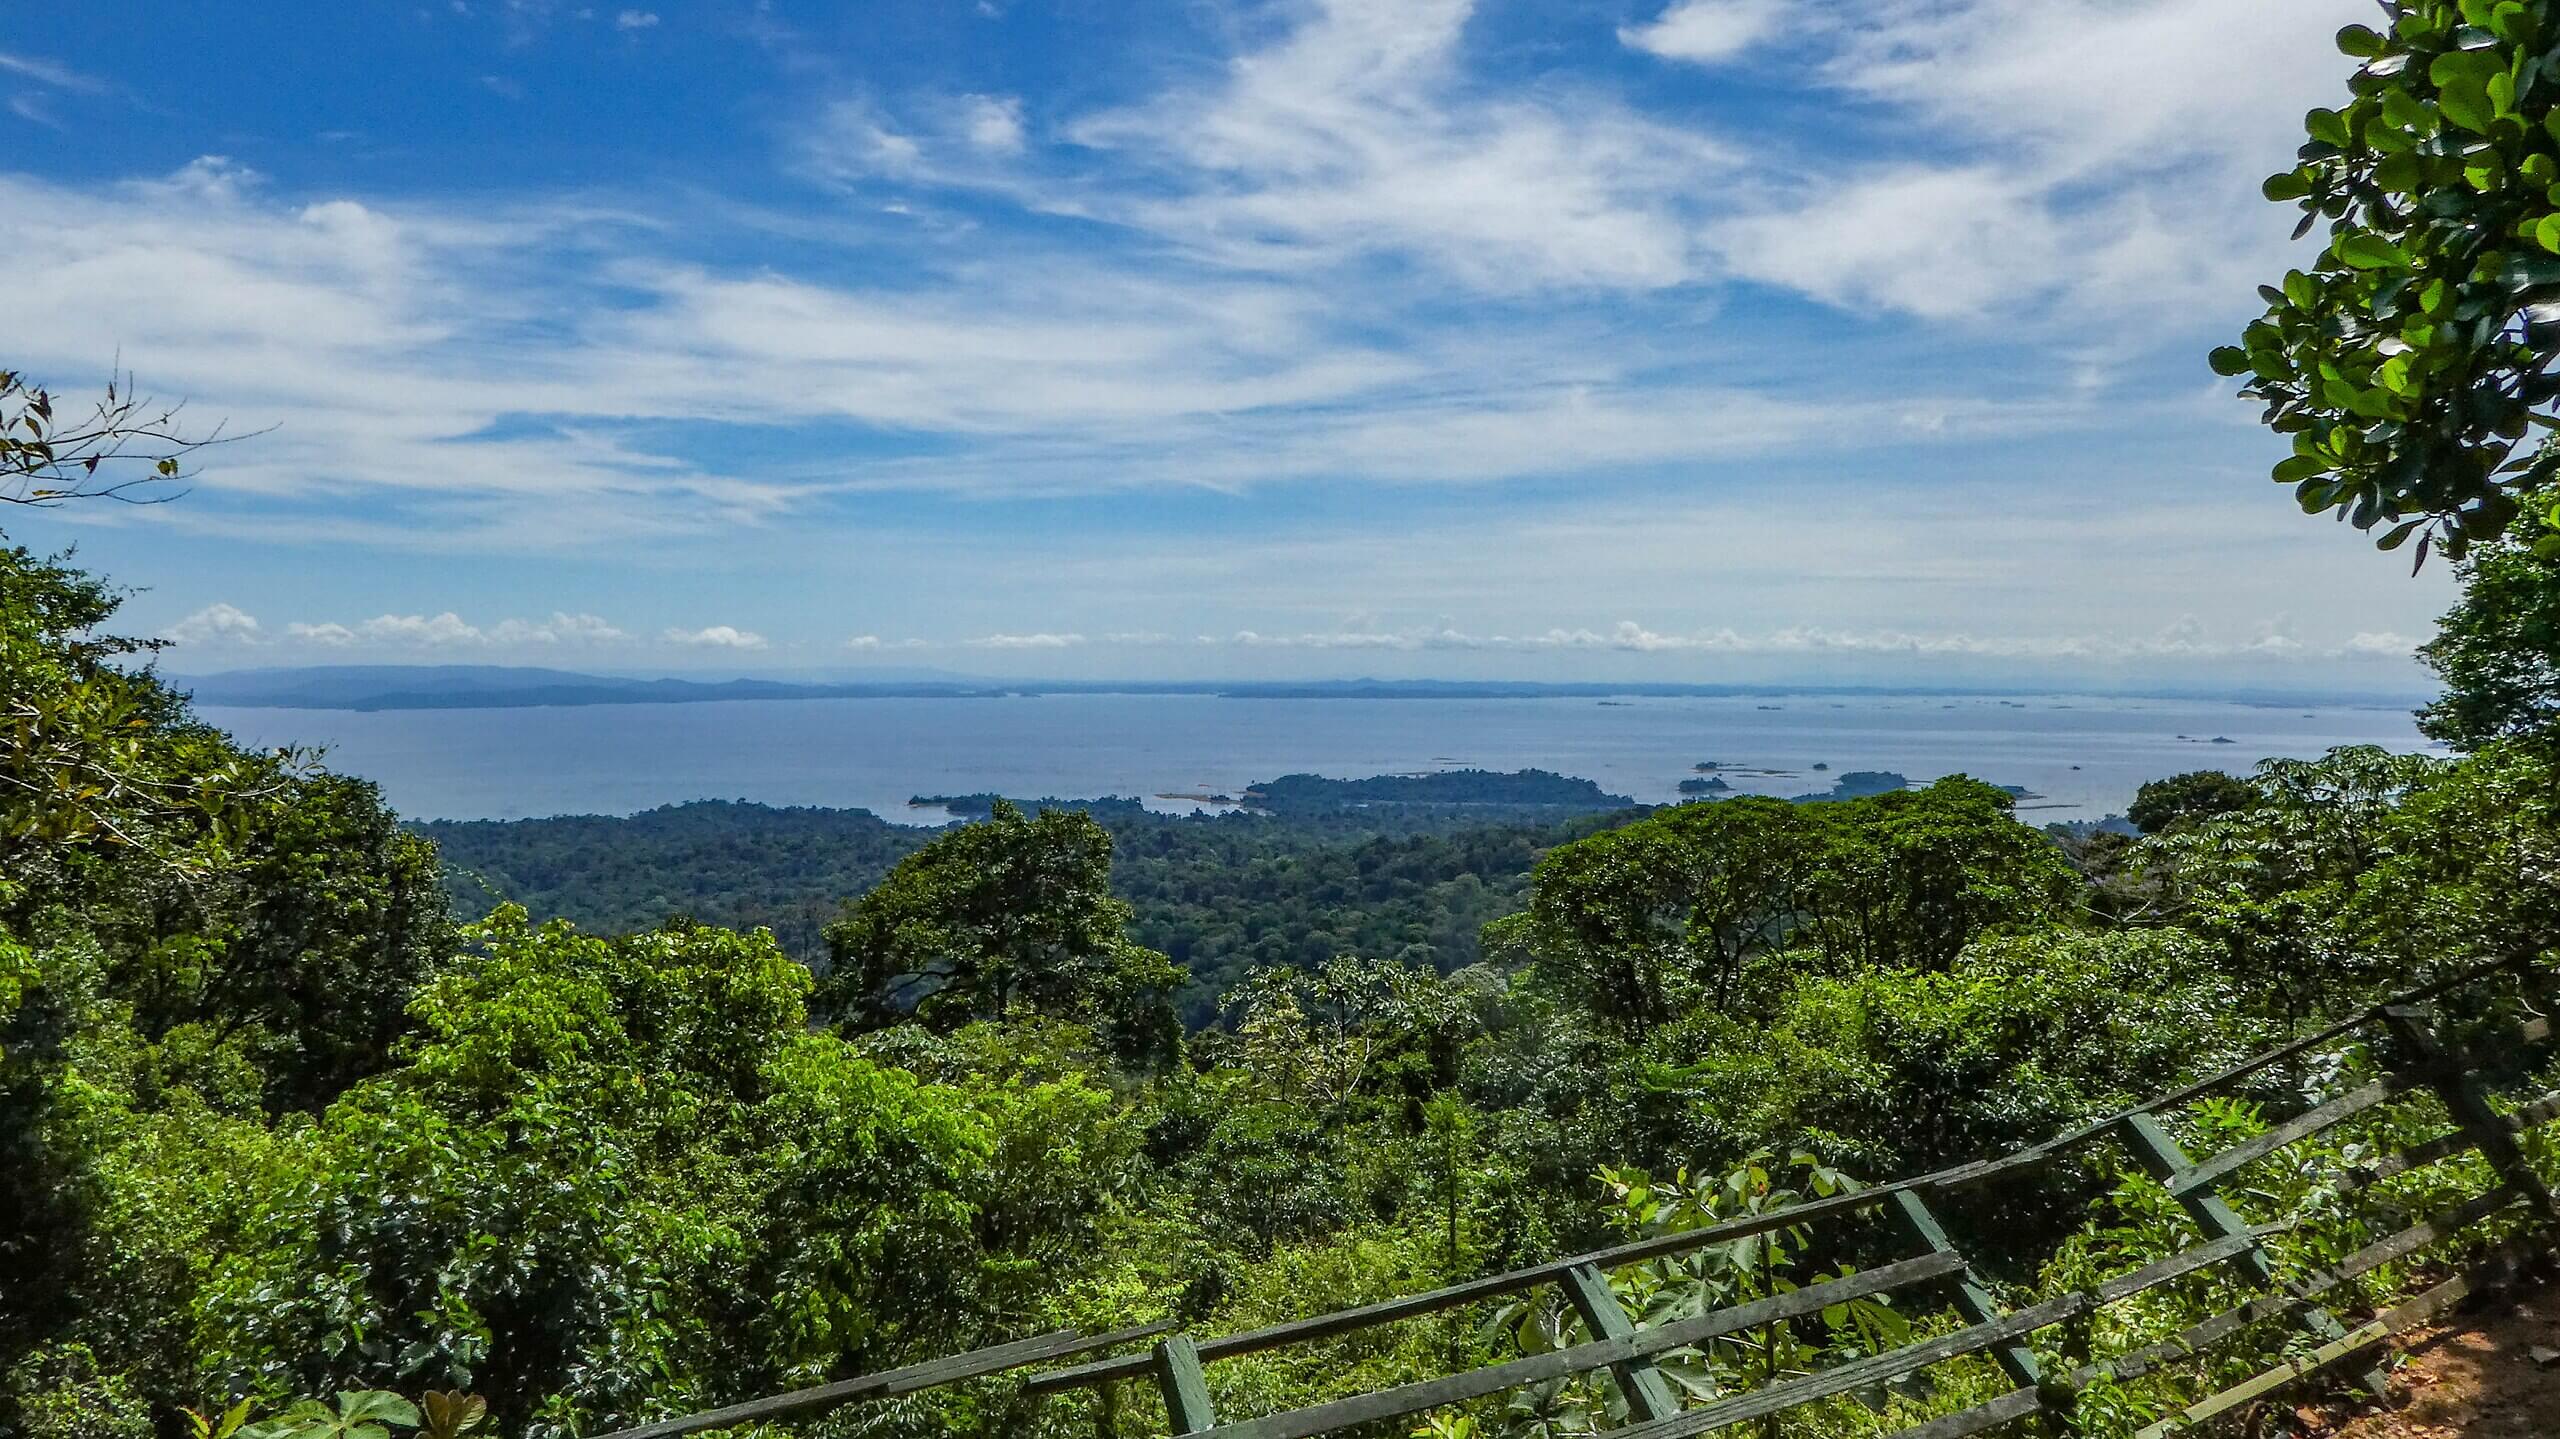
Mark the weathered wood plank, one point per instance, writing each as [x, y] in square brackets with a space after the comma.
[2535, 1113]
[2417, 1156]
[2205, 1172]
[2160, 1154]
[1186, 1389]
[2446, 1070]
[1857, 1373]
[2207, 1333]
[2009, 1408]
[1414, 1398]
[1970, 1299]
[889, 1383]
[2185, 1261]
[1492, 1286]
[1647, 1393]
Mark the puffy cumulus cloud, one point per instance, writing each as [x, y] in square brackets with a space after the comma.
[429, 631]
[560, 629]
[1705, 31]
[1040, 641]
[449, 630]
[716, 637]
[217, 624]
[328, 634]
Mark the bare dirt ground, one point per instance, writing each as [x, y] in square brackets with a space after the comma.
[2478, 1377]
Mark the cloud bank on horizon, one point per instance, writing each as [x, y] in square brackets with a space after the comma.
[1722, 339]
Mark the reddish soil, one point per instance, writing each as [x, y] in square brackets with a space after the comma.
[2475, 1378]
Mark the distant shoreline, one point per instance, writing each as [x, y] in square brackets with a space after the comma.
[374, 689]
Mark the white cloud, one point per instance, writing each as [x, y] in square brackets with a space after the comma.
[2184, 640]
[992, 123]
[330, 635]
[47, 72]
[874, 642]
[448, 630]
[2382, 644]
[1935, 242]
[560, 629]
[1042, 641]
[217, 624]
[1359, 133]
[439, 631]
[725, 637]
[1705, 31]
[636, 20]
[2113, 150]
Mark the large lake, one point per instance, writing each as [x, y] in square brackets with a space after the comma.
[2085, 756]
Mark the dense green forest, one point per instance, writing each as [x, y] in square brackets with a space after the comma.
[279, 1126]
[280, 1121]
[1222, 895]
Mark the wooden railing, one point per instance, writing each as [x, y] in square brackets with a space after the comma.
[2421, 1059]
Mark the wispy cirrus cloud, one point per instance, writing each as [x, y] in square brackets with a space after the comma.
[1226, 329]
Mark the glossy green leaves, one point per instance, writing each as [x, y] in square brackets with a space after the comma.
[2408, 361]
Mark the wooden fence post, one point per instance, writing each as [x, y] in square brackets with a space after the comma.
[2160, 1154]
[1186, 1389]
[1971, 1300]
[2448, 1072]
[1649, 1396]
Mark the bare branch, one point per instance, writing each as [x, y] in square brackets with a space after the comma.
[126, 447]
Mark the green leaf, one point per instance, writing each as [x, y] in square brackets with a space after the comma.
[2360, 42]
[2287, 185]
[2231, 359]
[2365, 250]
[376, 1404]
[2329, 126]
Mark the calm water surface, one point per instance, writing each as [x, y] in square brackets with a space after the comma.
[2085, 756]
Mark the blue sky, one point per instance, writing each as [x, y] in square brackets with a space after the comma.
[1736, 340]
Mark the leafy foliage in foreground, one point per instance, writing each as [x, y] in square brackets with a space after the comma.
[2410, 362]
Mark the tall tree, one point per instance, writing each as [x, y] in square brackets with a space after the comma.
[1013, 914]
[2498, 648]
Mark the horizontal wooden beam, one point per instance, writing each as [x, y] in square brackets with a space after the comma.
[2302, 1126]
[1426, 1394]
[1858, 1373]
[1492, 1286]
[2009, 1408]
[888, 1383]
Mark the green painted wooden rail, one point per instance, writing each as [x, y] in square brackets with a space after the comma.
[2424, 1060]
